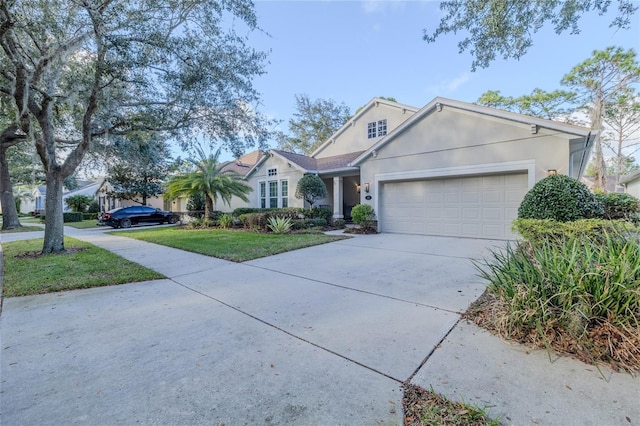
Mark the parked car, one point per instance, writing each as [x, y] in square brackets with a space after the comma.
[124, 217]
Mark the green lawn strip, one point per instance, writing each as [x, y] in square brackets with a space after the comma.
[85, 224]
[27, 272]
[234, 245]
[23, 228]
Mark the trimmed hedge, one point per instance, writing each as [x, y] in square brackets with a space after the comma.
[560, 198]
[619, 206]
[538, 231]
[90, 216]
[72, 217]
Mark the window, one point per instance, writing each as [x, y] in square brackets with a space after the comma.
[284, 192]
[263, 195]
[376, 129]
[274, 194]
[371, 130]
[382, 127]
[272, 172]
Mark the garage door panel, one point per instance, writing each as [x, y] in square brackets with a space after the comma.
[478, 206]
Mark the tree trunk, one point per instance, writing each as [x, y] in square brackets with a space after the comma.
[10, 219]
[54, 220]
[600, 175]
[208, 206]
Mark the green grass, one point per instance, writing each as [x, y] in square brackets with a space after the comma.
[234, 245]
[84, 265]
[85, 224]
[24, 228]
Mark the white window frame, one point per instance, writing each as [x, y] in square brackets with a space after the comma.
[265, 197]
[272, 172]
[382, 127]
[377, 129]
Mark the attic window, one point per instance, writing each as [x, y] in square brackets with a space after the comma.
[376, 129]
[272, 172]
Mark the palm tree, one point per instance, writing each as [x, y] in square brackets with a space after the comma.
[209, 179]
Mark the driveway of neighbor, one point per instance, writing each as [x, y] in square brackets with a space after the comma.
[323, 335]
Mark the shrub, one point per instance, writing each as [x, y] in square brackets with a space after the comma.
[363, 215]
[226, 221]
[279, 225]
[318, 212]
[201, 223]
[311, 188]
[570, 294]
[339, 223]
[560, 198]
[619, 206]
[254, 221]
[72, 217]
[318, 221]
[90, 216]
[539, 230]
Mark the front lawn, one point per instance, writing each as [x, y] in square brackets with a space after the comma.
[23, 228]
[85, 224]
[84, 265]
[234, 245]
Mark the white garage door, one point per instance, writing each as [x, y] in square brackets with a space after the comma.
[478, 206]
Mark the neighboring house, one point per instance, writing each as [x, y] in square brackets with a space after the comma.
[107, 201]
[631, 183]
[85, 187]
[451, 168]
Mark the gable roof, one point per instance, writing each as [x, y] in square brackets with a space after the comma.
[438, 102]
[373, 102]
[308, 164]
[244, 164]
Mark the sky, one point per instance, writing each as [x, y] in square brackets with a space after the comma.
[352, 51]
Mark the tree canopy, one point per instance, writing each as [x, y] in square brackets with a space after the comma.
[79, 73]
[313, 123]
[207, 177]
[311, 188]
[139, 169]
[505, 28]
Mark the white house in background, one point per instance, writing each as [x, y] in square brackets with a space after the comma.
[107, 201]
[450, 168]
[37, 205]
[631, 183]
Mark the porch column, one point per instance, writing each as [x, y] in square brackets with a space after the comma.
[338, 198]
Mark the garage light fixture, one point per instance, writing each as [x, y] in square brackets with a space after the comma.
[366, 187]
[357, 188]
[552, 172]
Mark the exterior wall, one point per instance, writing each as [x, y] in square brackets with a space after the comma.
[354, 138]
[454, 139]
[287, 172]
[633, 187]
[155, 202]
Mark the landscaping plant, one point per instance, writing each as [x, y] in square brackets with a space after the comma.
[579, 295]
[364, 216]
[279, 225]
[560, 198]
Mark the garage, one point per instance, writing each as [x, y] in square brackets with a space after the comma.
[471, 206]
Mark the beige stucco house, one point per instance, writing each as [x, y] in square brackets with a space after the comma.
[450, 168]
[631, 183]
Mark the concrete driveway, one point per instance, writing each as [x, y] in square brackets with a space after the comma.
[323, 335]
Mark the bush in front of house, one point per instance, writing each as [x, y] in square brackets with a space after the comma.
[619, 206]
[364, 216]
[279, 225]
[225, 221]
[90, 216]
[339, 223]
[318, 213]
[537, 231]
[72, 217]
[560, 198]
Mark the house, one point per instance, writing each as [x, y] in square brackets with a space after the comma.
[631, 183]
[450, 168]
[39, 193]
[107, 201]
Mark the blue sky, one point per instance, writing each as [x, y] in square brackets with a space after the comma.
[351, 51]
